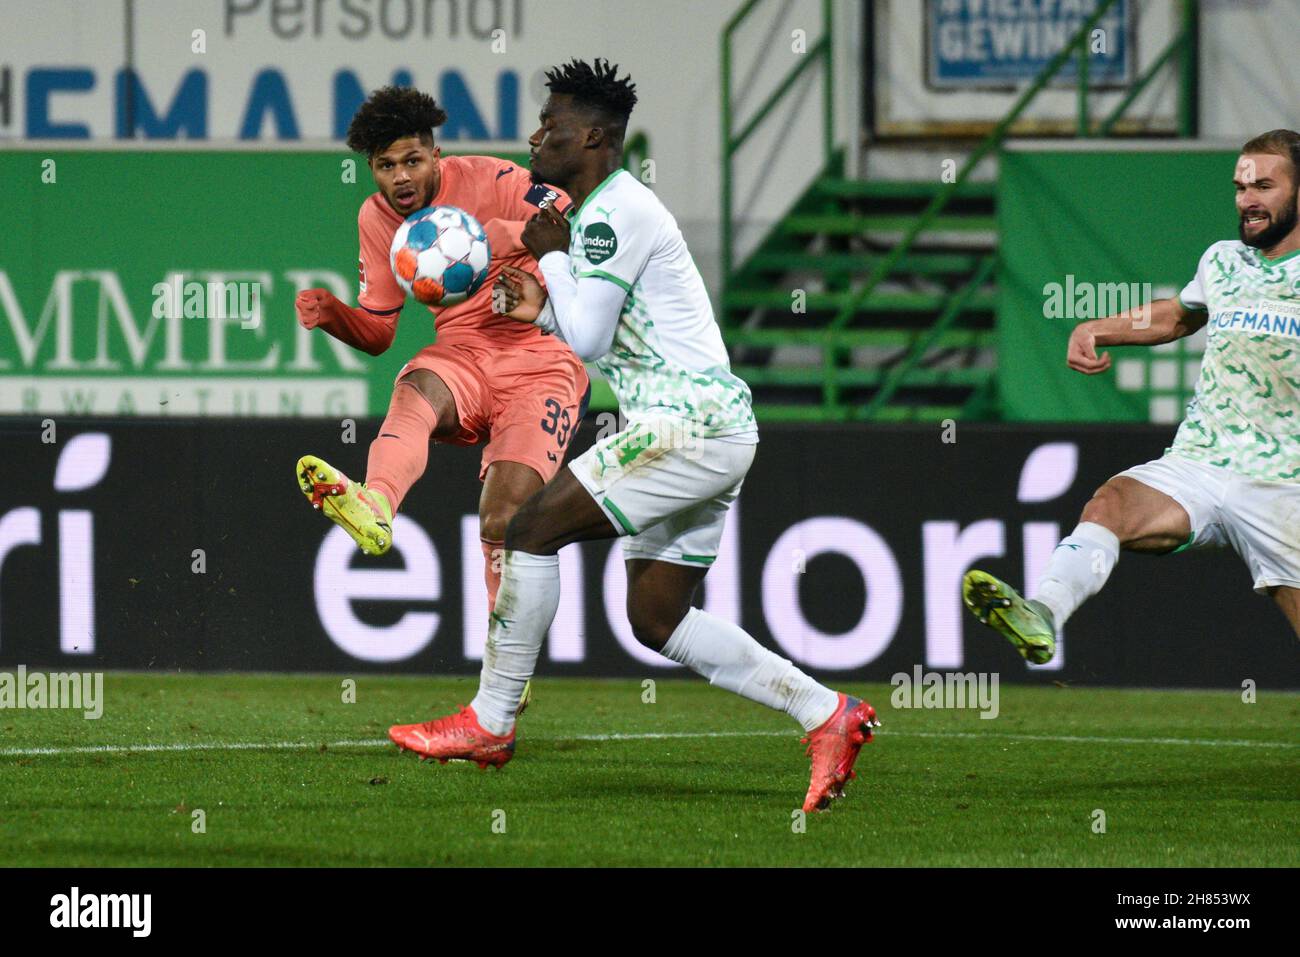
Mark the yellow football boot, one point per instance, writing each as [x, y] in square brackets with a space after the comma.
[363, 513]
[1027, 624]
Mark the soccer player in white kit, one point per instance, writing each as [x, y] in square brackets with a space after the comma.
[624, 292]
[1232, 475]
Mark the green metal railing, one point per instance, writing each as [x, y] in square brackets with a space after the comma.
[836, 337]
[1184, 46]
[832, 356]
[732, 142]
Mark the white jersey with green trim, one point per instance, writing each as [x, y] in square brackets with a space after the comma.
[1245, 414]
[667, 356]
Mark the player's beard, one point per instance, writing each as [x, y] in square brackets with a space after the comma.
[1271, 234]
[541, 176]
[541, 180]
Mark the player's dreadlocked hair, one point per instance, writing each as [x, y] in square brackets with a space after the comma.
[1285, 143]
[391, 113]
[596, 87]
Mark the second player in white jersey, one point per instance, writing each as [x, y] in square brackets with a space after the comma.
[1245, 415]
[665, 355]
[623, 291]
[1232, 474]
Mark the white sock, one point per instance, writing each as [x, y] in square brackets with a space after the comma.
[1077, 569]
[730, 658]
[525, 607]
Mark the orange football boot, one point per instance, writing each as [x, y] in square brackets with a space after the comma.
[834, 747]
[456, 737]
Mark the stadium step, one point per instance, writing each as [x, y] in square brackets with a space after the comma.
[782, 300]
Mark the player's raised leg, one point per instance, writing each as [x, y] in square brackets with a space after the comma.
[529, 409]
[1123, 513]
[421, 407]
[363, 513]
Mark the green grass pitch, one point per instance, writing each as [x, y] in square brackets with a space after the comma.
[286, 773]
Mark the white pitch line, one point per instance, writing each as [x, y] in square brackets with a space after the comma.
[645, 736]
[363, 743]
[1081, 739]
[201, 746]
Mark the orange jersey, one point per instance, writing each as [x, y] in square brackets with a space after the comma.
[502, 196]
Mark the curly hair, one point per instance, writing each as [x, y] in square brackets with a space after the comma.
[595, 86]
[391, 113]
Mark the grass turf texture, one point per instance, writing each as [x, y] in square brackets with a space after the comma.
[935, 788]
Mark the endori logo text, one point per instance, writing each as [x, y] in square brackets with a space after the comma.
[947, 551]
[599, 242]
[203, 342]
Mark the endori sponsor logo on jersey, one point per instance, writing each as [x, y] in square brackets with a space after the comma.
[599, 243]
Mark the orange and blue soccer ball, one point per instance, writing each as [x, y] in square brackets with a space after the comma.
[440, 255]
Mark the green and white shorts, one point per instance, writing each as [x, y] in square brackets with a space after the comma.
[665, 489]
[1258, 518]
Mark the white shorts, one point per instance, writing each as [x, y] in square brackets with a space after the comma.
[666, 490]
[1260, 519]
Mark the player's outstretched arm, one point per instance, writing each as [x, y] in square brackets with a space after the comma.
[362, 329]
[1159, 321]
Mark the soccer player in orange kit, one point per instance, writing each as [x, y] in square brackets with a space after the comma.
[487, 378]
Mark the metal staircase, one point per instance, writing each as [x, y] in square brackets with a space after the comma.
[874, 300]
[780, 306]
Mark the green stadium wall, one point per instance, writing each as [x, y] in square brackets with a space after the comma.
[1102, 216]
[89, 234]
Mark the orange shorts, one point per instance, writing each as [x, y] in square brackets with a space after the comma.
[525, 405]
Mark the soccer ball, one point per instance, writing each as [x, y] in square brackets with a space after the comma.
[440, 255]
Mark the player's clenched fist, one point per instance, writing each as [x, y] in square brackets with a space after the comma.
[547, 232]
[1081, 354]
[310, 304]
